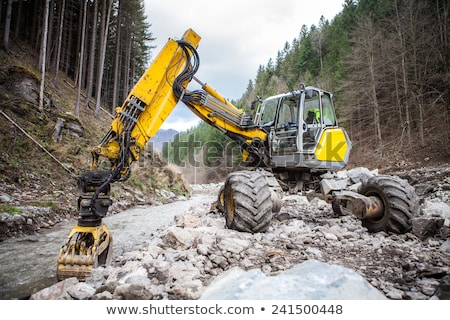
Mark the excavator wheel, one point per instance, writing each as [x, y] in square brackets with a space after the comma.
[247, 202]
[399, 200]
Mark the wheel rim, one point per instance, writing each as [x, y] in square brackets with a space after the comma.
[222, 198]
[377, 194]
[229, 206]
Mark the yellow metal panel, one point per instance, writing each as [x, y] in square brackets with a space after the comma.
[248, 133]
[333, 146]
[210, 117]
[152, 78]
[155, 88]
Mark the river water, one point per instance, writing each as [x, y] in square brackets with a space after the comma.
[28, 264]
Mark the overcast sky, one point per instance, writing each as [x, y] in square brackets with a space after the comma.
[237, 36]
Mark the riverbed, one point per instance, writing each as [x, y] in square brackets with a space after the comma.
[28, 264]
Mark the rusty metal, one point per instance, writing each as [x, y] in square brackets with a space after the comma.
[363, 207]
[375, 209]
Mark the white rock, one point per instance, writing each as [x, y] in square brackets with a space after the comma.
[436, 209]
[310, 280]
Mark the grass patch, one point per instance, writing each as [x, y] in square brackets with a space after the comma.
[10, 209]
[48, 203]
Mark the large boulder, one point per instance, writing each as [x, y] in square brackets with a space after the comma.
[310, 280]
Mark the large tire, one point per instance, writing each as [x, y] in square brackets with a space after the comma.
[400, 203]
[248, 204]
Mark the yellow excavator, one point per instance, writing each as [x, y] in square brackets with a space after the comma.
[292, 142]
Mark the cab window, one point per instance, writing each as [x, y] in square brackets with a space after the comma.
[269, 108]
[311, 113]
[329, 118]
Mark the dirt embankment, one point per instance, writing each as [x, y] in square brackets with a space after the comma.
[42, 152]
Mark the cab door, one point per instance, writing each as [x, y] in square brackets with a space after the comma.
[285, 130]
[312, 120]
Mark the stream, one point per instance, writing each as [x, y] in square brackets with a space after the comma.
[28, 264]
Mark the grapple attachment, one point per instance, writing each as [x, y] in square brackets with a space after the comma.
[86, 248]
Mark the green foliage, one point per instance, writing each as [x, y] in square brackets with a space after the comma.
[134, 181]
[48, 203]
[10, 209]
[202, 141]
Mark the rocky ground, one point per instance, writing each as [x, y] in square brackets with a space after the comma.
[180, 261]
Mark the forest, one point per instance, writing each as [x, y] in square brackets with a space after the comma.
[387, 62]
[102, 45]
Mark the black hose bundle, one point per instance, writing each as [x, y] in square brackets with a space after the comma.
[190, 69]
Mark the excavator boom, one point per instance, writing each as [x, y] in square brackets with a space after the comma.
[146, 108]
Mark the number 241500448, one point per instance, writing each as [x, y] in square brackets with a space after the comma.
[307, 309]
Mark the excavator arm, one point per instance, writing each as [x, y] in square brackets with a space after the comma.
[145, 109]
[154, 97]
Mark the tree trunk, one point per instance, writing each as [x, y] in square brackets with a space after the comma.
[117, 60]
[90, 75]
[7, 25]
[35, 40]
[414, 25]
[80, 34]
[18, 18]
[406, 94]
[50, 33]
[398, 102]
[81, 58]
[126, 64]
[106, 13]
[43, 55]
[404, 73]
[69, 34]
[60, 34]
[376, 106]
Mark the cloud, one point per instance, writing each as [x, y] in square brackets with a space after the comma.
[237, 35]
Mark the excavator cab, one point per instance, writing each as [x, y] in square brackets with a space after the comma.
[303, 131]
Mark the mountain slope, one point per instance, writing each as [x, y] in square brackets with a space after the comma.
[161, 137]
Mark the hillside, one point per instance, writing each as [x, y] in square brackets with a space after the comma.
[38, 174]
